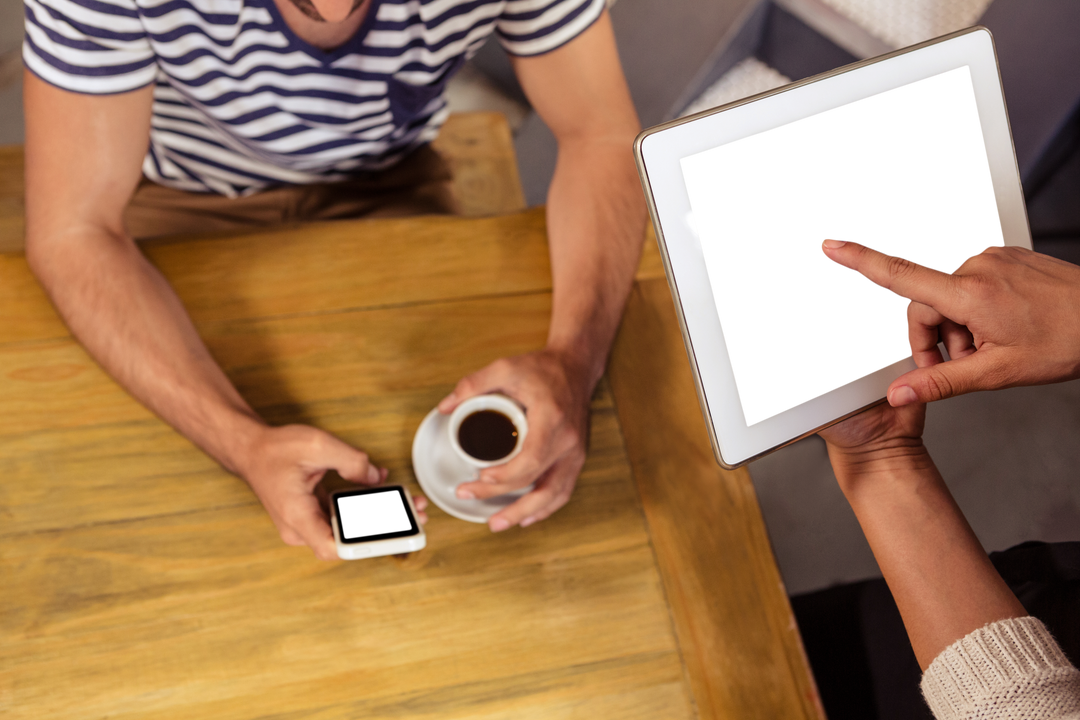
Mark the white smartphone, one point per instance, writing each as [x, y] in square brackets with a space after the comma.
[375, 521]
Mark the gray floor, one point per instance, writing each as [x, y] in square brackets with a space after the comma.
[1011, 458]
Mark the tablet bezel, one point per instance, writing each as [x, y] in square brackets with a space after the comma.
[659, 151]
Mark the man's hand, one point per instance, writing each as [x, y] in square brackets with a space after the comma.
[1008, 317]
[556, 400]
[287, 464]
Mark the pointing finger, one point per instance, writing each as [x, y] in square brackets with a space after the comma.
[903, 277]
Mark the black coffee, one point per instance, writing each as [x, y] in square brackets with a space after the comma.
[487, 435]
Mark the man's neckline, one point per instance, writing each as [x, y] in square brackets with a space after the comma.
[325, 56]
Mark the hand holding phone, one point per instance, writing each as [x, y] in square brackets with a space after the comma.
[371, 522]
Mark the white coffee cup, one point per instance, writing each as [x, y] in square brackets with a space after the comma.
[498, 403]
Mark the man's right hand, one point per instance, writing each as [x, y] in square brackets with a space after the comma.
[1008, 317]
[285, 464]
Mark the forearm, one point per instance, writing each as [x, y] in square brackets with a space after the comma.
[944, 585]
[129, 319]
[596, 224]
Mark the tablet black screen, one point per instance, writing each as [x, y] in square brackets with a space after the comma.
[903, 172]
[374, 514]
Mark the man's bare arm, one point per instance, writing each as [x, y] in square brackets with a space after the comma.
[84, 156]
[596, 221]
[596, 211]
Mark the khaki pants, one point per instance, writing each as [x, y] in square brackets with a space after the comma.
[418, 185]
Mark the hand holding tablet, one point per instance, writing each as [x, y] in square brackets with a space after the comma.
[909, 153]
[1007, 317]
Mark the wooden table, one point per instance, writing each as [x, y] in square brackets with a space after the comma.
[142, 581]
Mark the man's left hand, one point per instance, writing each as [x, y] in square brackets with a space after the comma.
[555, 396]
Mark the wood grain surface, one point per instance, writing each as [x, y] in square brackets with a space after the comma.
[181, 612]
[142, 581]
[480, 150]
[742, 649]
[12, 204]
[359, 265]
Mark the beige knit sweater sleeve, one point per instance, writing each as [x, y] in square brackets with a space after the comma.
[1008, 670]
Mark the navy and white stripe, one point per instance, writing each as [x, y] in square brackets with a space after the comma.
[241, 103]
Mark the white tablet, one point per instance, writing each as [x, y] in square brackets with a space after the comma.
[909, 154]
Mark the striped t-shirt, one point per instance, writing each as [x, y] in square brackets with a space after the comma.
[241, 103]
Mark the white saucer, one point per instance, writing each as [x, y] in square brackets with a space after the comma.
[439, 471]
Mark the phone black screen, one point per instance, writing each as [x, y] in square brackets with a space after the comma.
[903, 172]
[374, 514]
